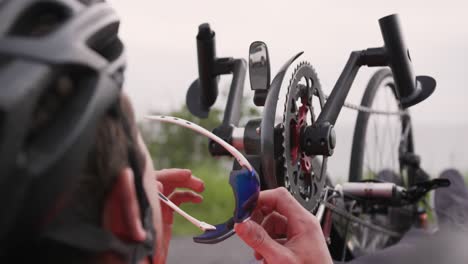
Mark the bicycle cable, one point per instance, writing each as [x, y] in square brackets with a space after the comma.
[355, 219]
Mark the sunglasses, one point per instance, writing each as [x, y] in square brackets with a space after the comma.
[245, 184]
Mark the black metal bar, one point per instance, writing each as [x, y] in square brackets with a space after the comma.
[345, 245]
[335, 101]
[398, 56]
[206, 49]
[233, 105]
[234, 102]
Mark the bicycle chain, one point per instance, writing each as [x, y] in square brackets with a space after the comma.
[344, 213]
[355, 219]
[370, 110]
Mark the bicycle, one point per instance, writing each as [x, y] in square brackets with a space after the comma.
[294, 153]
[380, 153]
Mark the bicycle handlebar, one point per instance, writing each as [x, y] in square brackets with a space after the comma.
[203, 92]
[206, 50]
[319, 138]
[398, 56]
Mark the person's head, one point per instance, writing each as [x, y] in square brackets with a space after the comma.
[106, 196]
[72, 163]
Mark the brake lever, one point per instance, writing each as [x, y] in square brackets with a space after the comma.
[417, 191]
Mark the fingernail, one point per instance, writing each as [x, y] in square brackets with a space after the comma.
[238, 228]
[159, 186]
[242, 228]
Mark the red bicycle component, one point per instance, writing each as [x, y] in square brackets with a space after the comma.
[296, 128]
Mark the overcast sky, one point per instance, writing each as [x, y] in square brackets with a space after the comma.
[160, 39]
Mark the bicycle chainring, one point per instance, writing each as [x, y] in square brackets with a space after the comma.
[304, 176]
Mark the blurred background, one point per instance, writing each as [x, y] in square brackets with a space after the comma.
[161, 47]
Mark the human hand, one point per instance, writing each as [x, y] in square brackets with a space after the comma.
[169, 180]
[282, 231]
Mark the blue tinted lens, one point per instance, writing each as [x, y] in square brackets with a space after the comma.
[246, 187]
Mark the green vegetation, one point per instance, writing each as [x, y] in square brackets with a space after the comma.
[173, 146]
[177, 147]
[218, 203]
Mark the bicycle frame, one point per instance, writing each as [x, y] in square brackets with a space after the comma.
[316, 139]
[259, 138]
[319, 139]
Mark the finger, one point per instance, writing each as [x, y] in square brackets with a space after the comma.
[283, 202]
[257, 256]
[281, 241]
[180, 197]
[275, 225]
[159, 187]
[279, 200]
[256, 237]
[169, 173]
[179, 178]
[257, 216]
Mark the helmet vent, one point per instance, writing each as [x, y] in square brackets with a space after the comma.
[65, 98]
[40, 19]
[106, 42]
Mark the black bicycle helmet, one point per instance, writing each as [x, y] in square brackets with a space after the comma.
[61, 69]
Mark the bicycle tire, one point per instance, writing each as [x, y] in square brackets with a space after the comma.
[356, 171]
[395, 219]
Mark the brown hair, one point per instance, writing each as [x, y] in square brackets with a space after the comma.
[107, 157]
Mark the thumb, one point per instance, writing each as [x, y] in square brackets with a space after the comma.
[258, 239]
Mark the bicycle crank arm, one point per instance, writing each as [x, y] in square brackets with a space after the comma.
[245, 139]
